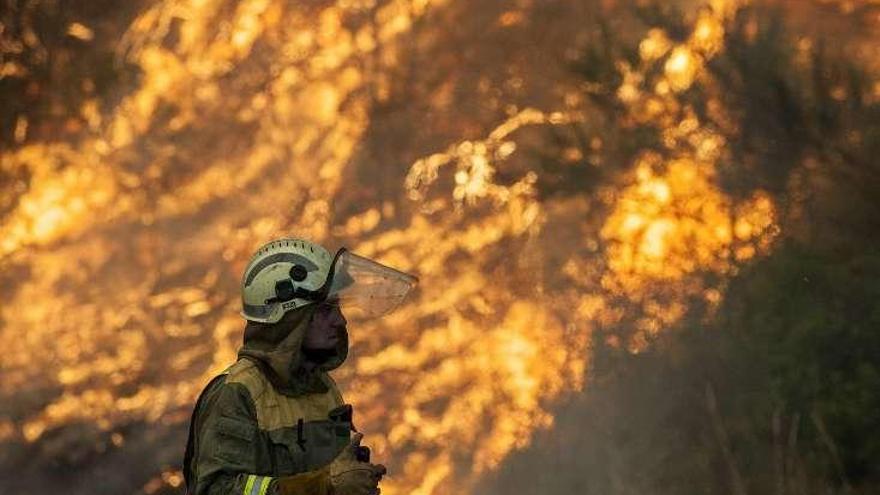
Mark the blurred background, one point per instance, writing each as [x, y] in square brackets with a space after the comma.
[647, 234]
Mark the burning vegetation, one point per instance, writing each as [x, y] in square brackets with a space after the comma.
[566, 178]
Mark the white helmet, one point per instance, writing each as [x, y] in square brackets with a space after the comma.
[287, 274]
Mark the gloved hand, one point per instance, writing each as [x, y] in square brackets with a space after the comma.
[345, 475]
[349, 476]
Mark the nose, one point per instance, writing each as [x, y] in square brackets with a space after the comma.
[337, 317]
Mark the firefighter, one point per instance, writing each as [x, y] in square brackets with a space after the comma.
[275, 422]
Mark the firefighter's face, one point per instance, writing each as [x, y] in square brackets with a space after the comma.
[325, 328]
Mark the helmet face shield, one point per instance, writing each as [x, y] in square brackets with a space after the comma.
[364, 288]
[288, 274]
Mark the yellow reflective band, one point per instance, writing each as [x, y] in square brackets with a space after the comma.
[249, 485]
[256, 485]
[264, 485]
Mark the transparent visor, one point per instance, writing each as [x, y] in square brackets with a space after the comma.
[366, 289]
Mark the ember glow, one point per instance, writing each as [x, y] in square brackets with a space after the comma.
[251, 120]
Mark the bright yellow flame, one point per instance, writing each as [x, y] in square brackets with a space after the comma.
[681, 68]
[708, 34]
[473, 160]
[655, 45]
[81, 31]
[675, 223]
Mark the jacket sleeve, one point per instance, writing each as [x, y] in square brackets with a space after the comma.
[225, 458]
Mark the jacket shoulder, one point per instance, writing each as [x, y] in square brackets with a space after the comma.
[247, 374]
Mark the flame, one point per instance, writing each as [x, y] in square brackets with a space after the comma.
[655, 45]
[122, 254]
[473, 160]
[98, 345]
[80, 31]
[672, 224]
[681, 68]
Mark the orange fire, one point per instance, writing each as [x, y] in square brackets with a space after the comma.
[125, 250]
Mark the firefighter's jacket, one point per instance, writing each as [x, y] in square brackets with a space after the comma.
[266, 417]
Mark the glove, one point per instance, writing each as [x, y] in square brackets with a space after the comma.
[349, 476]
[308, 483]
[345, 475]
